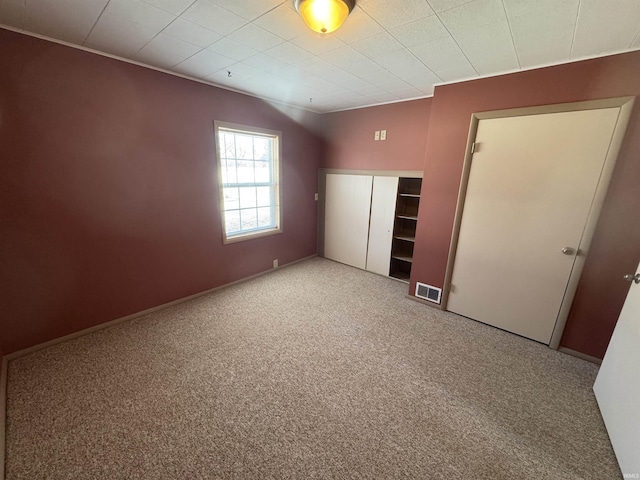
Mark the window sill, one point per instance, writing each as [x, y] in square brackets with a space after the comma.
[250, 236]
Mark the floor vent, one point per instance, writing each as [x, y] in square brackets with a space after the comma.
[429, 293]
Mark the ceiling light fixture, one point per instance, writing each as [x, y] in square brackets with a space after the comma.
[324, 16]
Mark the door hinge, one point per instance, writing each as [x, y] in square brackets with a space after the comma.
[473, 147]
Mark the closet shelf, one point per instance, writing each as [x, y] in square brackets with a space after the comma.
[406, 238]
[404, 232]
[402, 276]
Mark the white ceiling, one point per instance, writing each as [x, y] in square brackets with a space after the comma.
[387, 50]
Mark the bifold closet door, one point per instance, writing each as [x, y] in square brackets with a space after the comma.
[346, 227]
[383, 211]
[531, 186]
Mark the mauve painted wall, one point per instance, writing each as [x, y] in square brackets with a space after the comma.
[616, 244]
[108, 196]
[350, 143]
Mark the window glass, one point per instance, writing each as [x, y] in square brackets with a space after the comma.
[249, 180]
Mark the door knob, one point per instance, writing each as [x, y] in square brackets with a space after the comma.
[630, 277]
[568, 251]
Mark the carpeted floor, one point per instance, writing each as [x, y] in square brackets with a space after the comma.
[317, 370]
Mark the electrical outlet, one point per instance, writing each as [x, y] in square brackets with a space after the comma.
[275, 263]
[376, 136]
[383, 135]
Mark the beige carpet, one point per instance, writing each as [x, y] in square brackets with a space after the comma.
[317, 370]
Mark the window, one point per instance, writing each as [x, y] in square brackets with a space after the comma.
[249, 176]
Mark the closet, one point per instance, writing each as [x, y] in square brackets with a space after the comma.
[370, 221]
[528, 209]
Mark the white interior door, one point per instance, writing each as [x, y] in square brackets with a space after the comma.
[531, 186]
[383, 210]
[617, 387]
[346, 228]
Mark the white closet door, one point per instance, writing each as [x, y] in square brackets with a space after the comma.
[383, 209]
[346, 221]
[531, 186]
[617, 387]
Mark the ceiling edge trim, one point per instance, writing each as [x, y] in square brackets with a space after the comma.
[538, 67]
[151, 67]
[391, 102]
[280, 102]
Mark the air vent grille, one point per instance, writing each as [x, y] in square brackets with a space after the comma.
[428, 292]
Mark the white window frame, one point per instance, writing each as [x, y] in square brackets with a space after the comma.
[276, 175]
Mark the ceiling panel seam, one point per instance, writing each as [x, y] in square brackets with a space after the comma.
[513, 42]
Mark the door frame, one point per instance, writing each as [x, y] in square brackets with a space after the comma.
[626, 105]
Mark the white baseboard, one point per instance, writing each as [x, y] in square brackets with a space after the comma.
[95, 328]
[4, 365]
[12, 356]
[425, 302]
[583, 356]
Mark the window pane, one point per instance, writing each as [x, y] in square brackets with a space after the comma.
[262, 148]
[249, 219]
[248, 175]
[247, 197]
[263, 172]
[231, 198]
[229, 171]
[264, 196]
[229, 146]
[232, 221]
[244, 147]
[245, 171]
[265, 218]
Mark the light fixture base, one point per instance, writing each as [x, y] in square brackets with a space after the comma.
[350, 3]
[324, 16]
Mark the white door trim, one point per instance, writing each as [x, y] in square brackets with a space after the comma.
[626, 105]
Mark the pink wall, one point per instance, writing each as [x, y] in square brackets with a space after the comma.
[108, 202]
[616, 245]
[108, 197]
[351, 145]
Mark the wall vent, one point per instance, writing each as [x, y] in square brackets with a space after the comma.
[429, 293]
